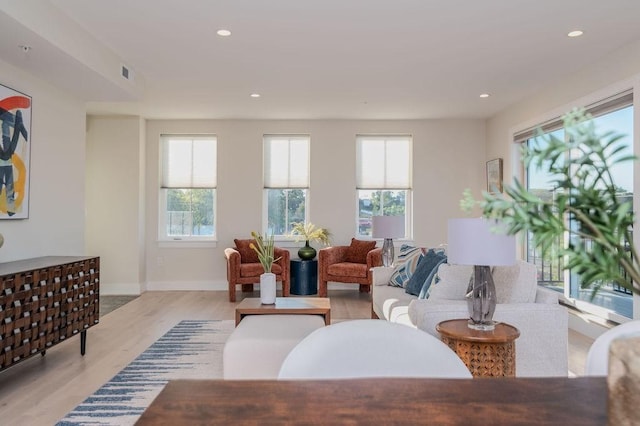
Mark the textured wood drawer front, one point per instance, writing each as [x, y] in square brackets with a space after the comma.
[43, 306]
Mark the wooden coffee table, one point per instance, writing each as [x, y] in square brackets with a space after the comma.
[286, 306]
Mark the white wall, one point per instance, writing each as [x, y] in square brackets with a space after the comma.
[115, 179]
[448, 157]
[56, 215]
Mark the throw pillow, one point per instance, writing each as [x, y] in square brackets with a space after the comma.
[517, 283]
[406, 264]
[358, 250]
[247, 254]
[431, 279]
[427, 264]
[453, 282]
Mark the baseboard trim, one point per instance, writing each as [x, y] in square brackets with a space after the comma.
[120, 289]
[218, 285]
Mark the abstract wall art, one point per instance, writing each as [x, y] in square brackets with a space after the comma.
[15, 119]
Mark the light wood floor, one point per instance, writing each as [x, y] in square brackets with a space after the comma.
[41, 390]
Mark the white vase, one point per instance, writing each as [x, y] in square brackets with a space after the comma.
[268, 288]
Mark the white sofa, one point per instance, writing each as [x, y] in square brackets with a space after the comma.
[541, 349]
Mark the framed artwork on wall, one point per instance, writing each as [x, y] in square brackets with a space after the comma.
[15, 119]
[494, 176]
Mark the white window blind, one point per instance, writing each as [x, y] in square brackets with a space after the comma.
[383, 162]
[286, 161]
[189, 161]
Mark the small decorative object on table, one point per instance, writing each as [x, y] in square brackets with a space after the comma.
[309, 232]
[479, 242]
[388, 227]
[264, 247]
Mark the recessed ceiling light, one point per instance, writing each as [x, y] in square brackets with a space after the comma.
[576, 33]
[484, 95]
[224, 33]
[24, 48]
[255, 95]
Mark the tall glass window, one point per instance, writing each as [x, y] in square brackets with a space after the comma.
[614, 115]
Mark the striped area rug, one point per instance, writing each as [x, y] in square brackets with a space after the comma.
[190, 350]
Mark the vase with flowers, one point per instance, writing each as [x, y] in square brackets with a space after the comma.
[309, 232]
[264, 248]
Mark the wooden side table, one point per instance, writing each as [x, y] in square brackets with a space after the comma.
[485, 353]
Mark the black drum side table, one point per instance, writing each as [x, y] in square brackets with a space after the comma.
[304, 277]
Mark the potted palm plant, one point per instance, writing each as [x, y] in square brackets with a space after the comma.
[309, 232]
[265, 248]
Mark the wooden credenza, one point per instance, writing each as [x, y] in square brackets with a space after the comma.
[44, 301]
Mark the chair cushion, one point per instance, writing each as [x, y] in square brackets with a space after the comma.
[427, 263]
[406, 264]
[358, 250]
[256, 269]
[247, 254]
[348, 269]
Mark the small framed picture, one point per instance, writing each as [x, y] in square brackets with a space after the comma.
[494, 176]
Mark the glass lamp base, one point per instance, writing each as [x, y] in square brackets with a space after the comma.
[482, 326]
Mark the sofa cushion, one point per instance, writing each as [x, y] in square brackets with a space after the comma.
[358, 250]
[426, 264]
[256, 269]
[452, 283]
[406, 264]
[348, 269]
[517, 283]
[247, 254]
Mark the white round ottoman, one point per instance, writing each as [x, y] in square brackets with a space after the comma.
[260, 343]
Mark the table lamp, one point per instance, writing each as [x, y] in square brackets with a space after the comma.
[482, 243]
[388, 227]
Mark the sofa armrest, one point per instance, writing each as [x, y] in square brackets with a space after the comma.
[545, 295]
[382, 274]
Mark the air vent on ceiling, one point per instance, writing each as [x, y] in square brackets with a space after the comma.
[126, 73]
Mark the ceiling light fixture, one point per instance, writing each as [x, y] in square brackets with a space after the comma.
[255, 95]
[223, 33]
[484, 95]
[576, 33]
[24, 48]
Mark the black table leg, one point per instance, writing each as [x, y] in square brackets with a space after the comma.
[83, 342]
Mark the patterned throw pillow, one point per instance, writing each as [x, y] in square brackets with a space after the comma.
[358, 250]
[428, 263]
[406, 264]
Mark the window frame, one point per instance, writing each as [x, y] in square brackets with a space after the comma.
[163, 239]
[599, 108]
[285, 238]
[408, 187]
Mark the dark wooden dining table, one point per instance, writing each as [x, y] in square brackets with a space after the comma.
[481, 401]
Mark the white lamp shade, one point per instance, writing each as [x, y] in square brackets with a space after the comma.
[388, 226]
[478, 241]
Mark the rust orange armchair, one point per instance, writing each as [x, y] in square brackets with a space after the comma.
[244, 268]
[349, 264]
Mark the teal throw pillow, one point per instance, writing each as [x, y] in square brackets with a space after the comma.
[427, 264]
[431, 279]
[406, 264]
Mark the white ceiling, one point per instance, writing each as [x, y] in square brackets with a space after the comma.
[369, 59]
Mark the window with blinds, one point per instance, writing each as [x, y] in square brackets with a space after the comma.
[286, 182]
[187, 187]
[383, 179]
